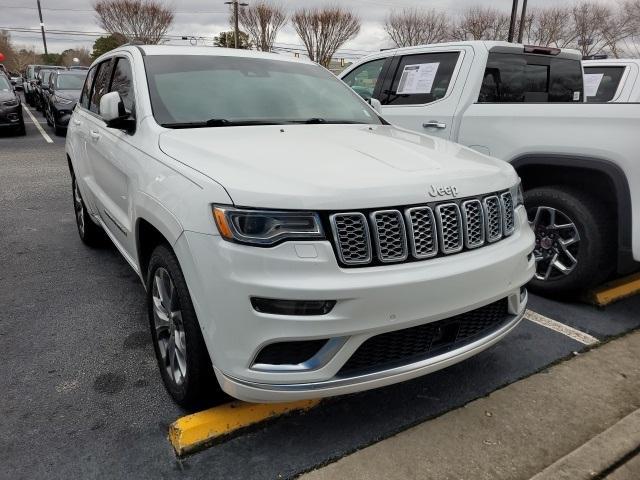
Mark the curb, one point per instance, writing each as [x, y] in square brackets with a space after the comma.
[599, 455]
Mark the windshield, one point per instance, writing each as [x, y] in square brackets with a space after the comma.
[70, 82]
[198, 91]
[4, 83]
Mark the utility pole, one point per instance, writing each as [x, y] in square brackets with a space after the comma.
[44, 38]
[236, 30]
[512, 25]
[523, 18]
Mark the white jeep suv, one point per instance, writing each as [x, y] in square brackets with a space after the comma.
[291, 242]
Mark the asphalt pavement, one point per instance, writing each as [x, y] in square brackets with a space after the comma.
[81, 394]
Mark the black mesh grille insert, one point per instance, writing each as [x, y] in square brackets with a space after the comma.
[410, 345]
[289, 353]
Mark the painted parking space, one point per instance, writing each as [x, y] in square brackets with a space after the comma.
[83, 389]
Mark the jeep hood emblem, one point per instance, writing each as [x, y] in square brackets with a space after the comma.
[442, 190]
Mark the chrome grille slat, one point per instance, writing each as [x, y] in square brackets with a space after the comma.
[473, 218]
[351, 234]
[493, 218]
[422, 232]
[449, 222]
[508, 215]
[390, 235]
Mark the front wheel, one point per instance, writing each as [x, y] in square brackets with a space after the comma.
[183, 359]
[575, 240]
[90, 233]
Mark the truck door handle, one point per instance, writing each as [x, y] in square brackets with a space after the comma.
[77, 122]
[95, 135]
[434, 124]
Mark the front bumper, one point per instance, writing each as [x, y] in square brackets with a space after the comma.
[10, 116]
[223, 276]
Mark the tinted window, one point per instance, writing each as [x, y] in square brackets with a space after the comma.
[84, 98]
[421, 79]
[363, 79]
[530, 78]
[122, 83]
[609, 81]
[100, 86]
[199, 88]
[69, 81]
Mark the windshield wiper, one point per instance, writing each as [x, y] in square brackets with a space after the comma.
[219, 122]
[318, 120]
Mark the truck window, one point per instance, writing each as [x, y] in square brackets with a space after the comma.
[363, 79]
[516, 78]
[421, 78]
[604, 82]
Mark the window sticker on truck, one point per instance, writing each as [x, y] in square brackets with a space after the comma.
[417, 78]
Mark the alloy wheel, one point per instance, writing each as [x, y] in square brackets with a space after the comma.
[169, 327]
[557, 242]
[78, 207]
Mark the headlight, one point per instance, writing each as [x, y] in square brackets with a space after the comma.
[62, 100]
[11, 103]
[264, 227]
[517, 195]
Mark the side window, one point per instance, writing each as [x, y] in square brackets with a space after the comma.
[514, 78]
[122, 82]
[363, 79]
[86, 89]
[601, 83]
[100, 86]
[422, 78]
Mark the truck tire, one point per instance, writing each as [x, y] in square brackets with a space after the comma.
[183, 358]
[575, 240]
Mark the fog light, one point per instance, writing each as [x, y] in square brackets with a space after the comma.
[292, 307]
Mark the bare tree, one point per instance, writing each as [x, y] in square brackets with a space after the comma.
[138, 20]
[481, 23]
[552, 27]
[262, 22]
[413, 26]
[325, 30]
[631, 11]
[598, 28]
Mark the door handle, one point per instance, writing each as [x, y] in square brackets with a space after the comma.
[95, 135]
[434, 124]
[77, 122]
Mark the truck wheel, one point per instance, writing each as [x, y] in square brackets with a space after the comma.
[90, 233]
[575, 240]
[183, 359]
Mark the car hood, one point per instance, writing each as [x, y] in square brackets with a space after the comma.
[333, 166]
[69, 94]
[6, 95]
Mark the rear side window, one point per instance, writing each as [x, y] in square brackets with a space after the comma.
[100, 86]
[122, 83]
[515, 78]
[363, 79]
[86, 90]
[601, 83]
[422, 78]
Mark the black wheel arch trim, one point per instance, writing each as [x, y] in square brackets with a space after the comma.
[618, 178]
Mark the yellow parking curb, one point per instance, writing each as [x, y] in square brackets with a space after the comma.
[616, 290]
[197, 430]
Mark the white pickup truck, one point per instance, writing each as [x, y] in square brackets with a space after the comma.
[578, 161]
[612, 80]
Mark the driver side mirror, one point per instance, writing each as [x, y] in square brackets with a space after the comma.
[376, 105]
[13, 82]
[114, 114]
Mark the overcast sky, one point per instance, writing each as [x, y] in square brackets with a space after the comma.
[208, 17]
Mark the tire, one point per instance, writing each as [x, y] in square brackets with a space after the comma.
[90, 233]
[22, 131]
[59, 131]
[47, 115]
[591, 240]
[186, 370]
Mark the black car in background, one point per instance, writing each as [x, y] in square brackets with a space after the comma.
[10, 107]
[64, 92]
[42, 87]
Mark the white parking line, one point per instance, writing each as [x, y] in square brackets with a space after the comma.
[44, 134]
[570, 332]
